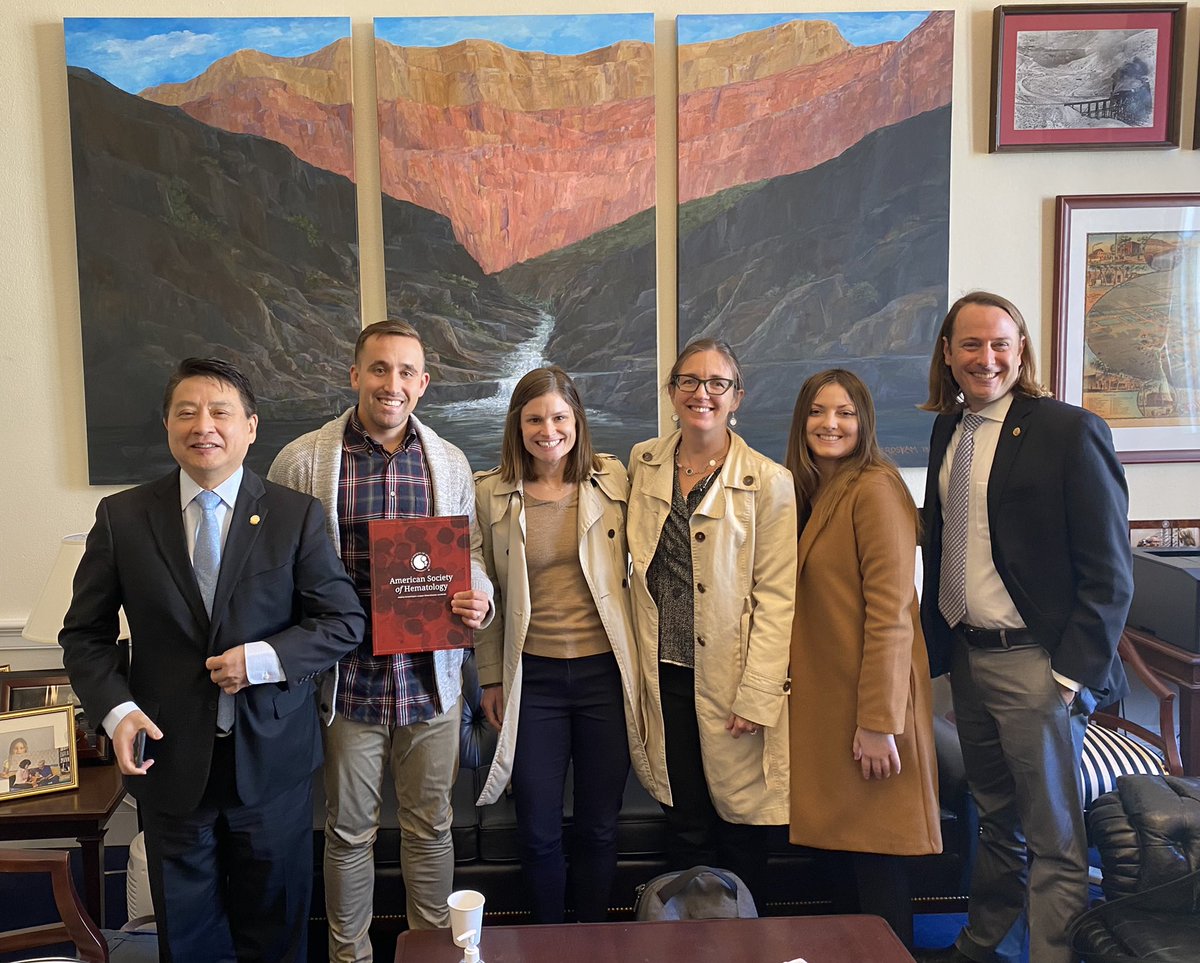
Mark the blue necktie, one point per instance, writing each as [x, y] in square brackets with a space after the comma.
[952, 587]
[206, 561]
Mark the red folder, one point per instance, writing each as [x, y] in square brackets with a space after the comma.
[417, 564]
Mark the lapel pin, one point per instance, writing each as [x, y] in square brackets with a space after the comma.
[1016, 434]
[254, 519]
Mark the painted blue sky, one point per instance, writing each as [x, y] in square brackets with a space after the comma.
[860, 29]
[134, 52]
[563, 35]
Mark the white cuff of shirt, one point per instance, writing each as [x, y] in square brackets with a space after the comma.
[262, 664]
[1060, 679]
[115, 715]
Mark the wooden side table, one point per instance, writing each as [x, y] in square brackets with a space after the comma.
[83, 813]
[1183, 668]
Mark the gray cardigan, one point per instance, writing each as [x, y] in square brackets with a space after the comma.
[313, 463]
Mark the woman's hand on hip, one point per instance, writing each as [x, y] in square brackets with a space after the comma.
[877, 753]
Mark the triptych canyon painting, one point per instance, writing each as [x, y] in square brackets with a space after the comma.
[814, 193]
[216, 213]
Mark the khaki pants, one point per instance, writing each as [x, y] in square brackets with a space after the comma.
[424, 762]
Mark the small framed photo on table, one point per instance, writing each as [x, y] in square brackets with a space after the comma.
[1086, 76]
[37, 752]
[38, 688]
[1127, 319]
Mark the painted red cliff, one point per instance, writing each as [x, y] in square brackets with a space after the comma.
[527, 152]
[770, 122]
[300, 102]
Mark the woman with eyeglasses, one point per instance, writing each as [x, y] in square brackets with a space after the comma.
[712, 533]
[559, 655]
[864, 769]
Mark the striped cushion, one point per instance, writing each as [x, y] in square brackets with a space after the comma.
[1108, 754]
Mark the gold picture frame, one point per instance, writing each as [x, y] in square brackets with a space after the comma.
[37, 752]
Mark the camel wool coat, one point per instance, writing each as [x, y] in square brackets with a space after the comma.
[858, 659]
[744, 571]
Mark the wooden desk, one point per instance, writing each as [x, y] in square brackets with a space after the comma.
[1183, 668]
[83, 813]
[818, 939]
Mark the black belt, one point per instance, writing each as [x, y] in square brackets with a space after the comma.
[994, 638]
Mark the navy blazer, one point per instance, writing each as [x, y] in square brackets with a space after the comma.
[280, 582]
[1058, 514]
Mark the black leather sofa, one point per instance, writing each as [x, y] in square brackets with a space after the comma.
[1148, 835]
[486, 849]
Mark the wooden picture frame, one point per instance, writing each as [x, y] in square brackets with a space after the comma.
[37, 752]
[39, 688]
[1126, 344]
[1086, 76]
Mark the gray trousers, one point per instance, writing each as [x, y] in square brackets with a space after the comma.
[424, 762]
[1021, 747]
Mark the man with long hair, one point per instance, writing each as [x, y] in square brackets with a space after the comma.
[1027, 585]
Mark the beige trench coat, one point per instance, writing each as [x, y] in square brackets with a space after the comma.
[500, 509]
[744, 568]
[858, 659]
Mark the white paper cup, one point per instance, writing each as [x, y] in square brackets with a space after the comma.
[466, 916]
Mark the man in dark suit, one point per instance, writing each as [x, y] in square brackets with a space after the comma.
[235, 600]
[1027, 585]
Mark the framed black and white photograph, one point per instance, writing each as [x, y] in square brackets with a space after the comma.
[37, 752]
[1086, 76]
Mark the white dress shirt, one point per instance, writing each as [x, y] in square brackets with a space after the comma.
[989, 606]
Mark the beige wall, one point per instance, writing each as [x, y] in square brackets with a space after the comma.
[1002, 219]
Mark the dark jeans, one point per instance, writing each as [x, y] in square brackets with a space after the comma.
[698, 835]
[571, 709]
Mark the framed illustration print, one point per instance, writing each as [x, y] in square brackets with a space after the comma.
[37, 752]
[1086, 76]
[1127, 318]
[39, 688]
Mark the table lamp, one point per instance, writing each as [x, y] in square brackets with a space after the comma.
[46, 617]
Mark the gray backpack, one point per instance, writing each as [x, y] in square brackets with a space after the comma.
[699, 893]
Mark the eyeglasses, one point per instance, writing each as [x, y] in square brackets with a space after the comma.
[714, 386]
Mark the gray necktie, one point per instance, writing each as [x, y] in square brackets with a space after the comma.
[952, 588]
[206, 561]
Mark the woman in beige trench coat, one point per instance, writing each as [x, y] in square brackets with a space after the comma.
[712, 528]
[559, 656]
[864, 776]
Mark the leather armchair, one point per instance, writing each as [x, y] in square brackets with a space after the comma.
[1148, 834]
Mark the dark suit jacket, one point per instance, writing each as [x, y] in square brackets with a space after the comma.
[280, 582]
[1057, 510]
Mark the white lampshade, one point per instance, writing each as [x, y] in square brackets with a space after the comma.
[46, 619]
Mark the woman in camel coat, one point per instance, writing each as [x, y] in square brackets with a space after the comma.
[864, 772]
